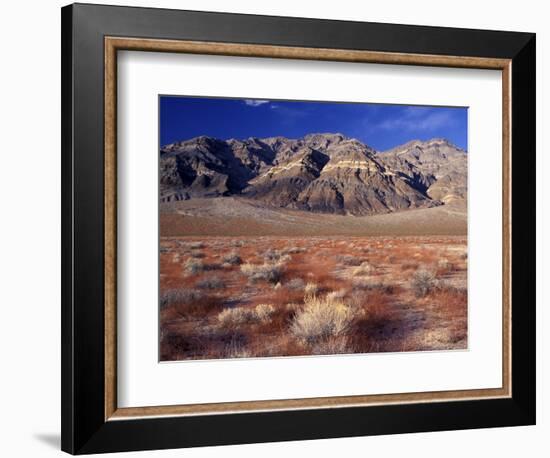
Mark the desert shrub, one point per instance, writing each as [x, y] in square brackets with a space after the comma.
[293, 250]
[275, 256]
[248, 268]
[292, 306]
[311, 289]
[444, 266]
[194, 266]
[358, 300]
[196, 245]
[263, 312]
[271, 273]
[336, 295]
[364, 269]
[179, 296]
[446, 287]
[236, 349]
[235, 316]
[193, 302]
[349, 260]
[368, 285]
[423, 282]
[203, 342]
[332, 346]
[284, 259]
[237, 243]
[232, 258]
[296, 284]
[196, 254]
[372, 306]
[241, 315]
[272, 255]
[213, 282]
[321, 318]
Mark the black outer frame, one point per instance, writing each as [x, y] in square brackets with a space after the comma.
[84, 429]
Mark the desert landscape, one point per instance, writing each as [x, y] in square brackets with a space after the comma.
[319, 245]
[269, 296]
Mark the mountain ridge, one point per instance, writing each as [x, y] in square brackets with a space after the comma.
[320, 172]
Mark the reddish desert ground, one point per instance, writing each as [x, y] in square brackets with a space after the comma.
[265, 296]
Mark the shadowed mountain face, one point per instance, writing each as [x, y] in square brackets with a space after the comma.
[324, 173]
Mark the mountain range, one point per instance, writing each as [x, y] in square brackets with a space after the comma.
[321, 173]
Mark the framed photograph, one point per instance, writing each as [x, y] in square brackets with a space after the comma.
[281, 228]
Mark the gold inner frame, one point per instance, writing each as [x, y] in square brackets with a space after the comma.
[114, 44]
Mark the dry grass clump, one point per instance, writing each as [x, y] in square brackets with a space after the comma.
[434, 339]
[194, 266]
[445, 287]
[188, 303]
[264, 311]
[321, 318]
[271, 273]
[293, 306]
[296, 284]
[368, 285]
[349, 260]
[294, 250]
[423, 282]
[337, 295]
[364, 269]
[232, 258]
[311, 289]
[240, 315]
[179, 296]
[213, 282]
[235, 316]
[235, 349]
[332, 346]
[249, 268]
[272, 255]
[444, 267]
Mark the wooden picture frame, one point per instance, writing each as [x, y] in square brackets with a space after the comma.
[91, 419]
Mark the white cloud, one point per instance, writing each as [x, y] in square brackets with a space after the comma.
[418, 119]
[255, 102]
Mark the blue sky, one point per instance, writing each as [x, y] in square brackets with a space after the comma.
[377, 125]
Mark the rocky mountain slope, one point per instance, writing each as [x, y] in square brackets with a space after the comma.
[438, 167]
[324, 173]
